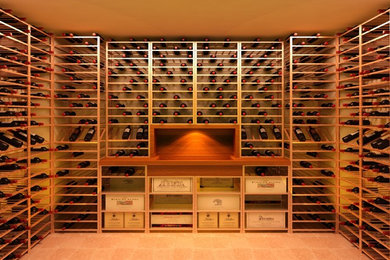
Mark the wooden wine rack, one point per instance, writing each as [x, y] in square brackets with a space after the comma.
[262, 95]
[25, 77]
[187, 82]
[245, 201]
[363, 70]
[312, 85]
[78, 66]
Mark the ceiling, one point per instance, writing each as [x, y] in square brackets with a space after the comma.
[215, 19]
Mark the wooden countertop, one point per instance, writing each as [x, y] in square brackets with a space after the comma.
[123, 161]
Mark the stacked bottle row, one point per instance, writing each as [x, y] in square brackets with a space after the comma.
[77, 133]
[311, 123]
[173, 80]
[128, 82]
[195, 82]
[364, 128]
[25, 100]
[217, 80]
[262, 98]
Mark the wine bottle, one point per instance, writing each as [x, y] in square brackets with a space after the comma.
[305, 164]
[352, 136]
[277, 133]
[12, 141]
[371, 137]
[380, 144]
[62, 147]
[354, 190]
[4, 181]
[381, 179]
[69, 113]
[134, 153]
[145, 134]
[327, 147]
[248, 145]
[36, 188]
[255, 153]
[263, 132]
[62, 173]
[350, 168]
[269, 153]
[313, 133]
[75, 134]
[298, 121]
[91, 132]
[243, 133]
[77, 154]
[139, 134]
[379, 201]
[113, 121]
[35, 137]
[260, 171]
[126, 133]
[312, 154]
[299, 134]
[355, 122]
[91, 104]
[84, 164]
[120, 153]
[375, 155]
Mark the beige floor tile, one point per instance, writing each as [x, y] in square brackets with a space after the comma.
[183, 254]
[204, 254]
[171, 246]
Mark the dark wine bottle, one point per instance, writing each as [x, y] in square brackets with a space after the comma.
[263, 132]
[277, 133]
[313, 133]
[84, 164]
[91, 132]
[126, 133]
[305, 164]
[12, 141]
[243, 133]
[76, 133]
[139, 134]
[299, 134]
[120, 153]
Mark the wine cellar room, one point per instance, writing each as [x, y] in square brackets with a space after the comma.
[200, 130]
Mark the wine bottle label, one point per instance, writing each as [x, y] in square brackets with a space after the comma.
[262, 130]
[298, 131]
[127, 130]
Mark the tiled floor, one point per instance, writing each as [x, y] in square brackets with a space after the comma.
[194, 246]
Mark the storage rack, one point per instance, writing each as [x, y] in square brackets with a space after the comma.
[25, 202]
[220, 188]
[164, 193]
[217, 82]
[262, 97]
[127, 181]
[77, 88]
[168, 203]
[364, 66]
[263, 201]
[312, 104]
[348, 84]
[173, 82]
[128, 96]
[187, 82]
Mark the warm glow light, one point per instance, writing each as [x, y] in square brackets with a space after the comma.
[196, 144]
